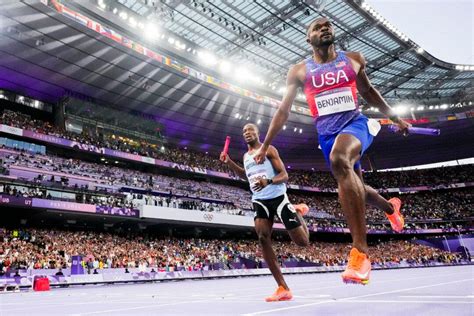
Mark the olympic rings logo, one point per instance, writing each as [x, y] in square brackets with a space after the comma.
[208, 217]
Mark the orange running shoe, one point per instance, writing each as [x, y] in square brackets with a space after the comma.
[358, 268]
[396, 219]
[281, 294]
[302, 208]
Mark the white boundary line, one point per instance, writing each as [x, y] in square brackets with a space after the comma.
[437, 296]
[408, 301]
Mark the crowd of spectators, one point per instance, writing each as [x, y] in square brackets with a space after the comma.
[443, 204]
[323, 180]
[444, 176]
[206, 196]
[120, 177]
[53, 248]
[138, 147]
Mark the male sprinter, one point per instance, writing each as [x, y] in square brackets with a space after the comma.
[330, 80]
[267, 183]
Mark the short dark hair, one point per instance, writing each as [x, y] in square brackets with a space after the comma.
[309, 26]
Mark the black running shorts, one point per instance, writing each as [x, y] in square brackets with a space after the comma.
[279, 206]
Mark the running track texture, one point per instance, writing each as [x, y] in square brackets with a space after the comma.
[422, 291]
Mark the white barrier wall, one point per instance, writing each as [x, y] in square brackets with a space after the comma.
[194, 216]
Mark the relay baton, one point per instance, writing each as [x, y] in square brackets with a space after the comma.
[226, 145]
[417, 130]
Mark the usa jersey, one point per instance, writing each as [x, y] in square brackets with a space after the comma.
[331, 93]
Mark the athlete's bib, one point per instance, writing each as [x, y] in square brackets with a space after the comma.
[335, 101]
[255, 176]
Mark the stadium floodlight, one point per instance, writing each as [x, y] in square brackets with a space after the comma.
[301, 130]
[284, 127]
[236, 115]
[114, 11]
[471, 68]
[458, 67]
[101, 4]
[224, 66]
[242, 74]
[151, 32]
[208, 58]
[420, 108]
[132, 21]
[259, 121]
[295, 129]
[123, 15]
[171, 40]
[420, 50]
[257, 80]
[444, 106]
[401, 109]
[431, 107]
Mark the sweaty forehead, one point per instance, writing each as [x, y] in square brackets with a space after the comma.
[253, 126]
[318, 21]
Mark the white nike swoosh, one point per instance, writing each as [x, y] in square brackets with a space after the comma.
[313, 70]
[362, 276]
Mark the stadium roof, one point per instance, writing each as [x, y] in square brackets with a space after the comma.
[48, 56]
[269, 37]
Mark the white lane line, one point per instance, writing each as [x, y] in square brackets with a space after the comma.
[353, 297]
[407, 301]
[141, 307]
[437, 296]
[311, 296]
[43, 305]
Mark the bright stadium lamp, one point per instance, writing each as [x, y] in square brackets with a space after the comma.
[132, 22]
[224, 66]
[207, 58]
[401, 109]
[242, 74]
[151, 32]
[101, 4]
[123, 15]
